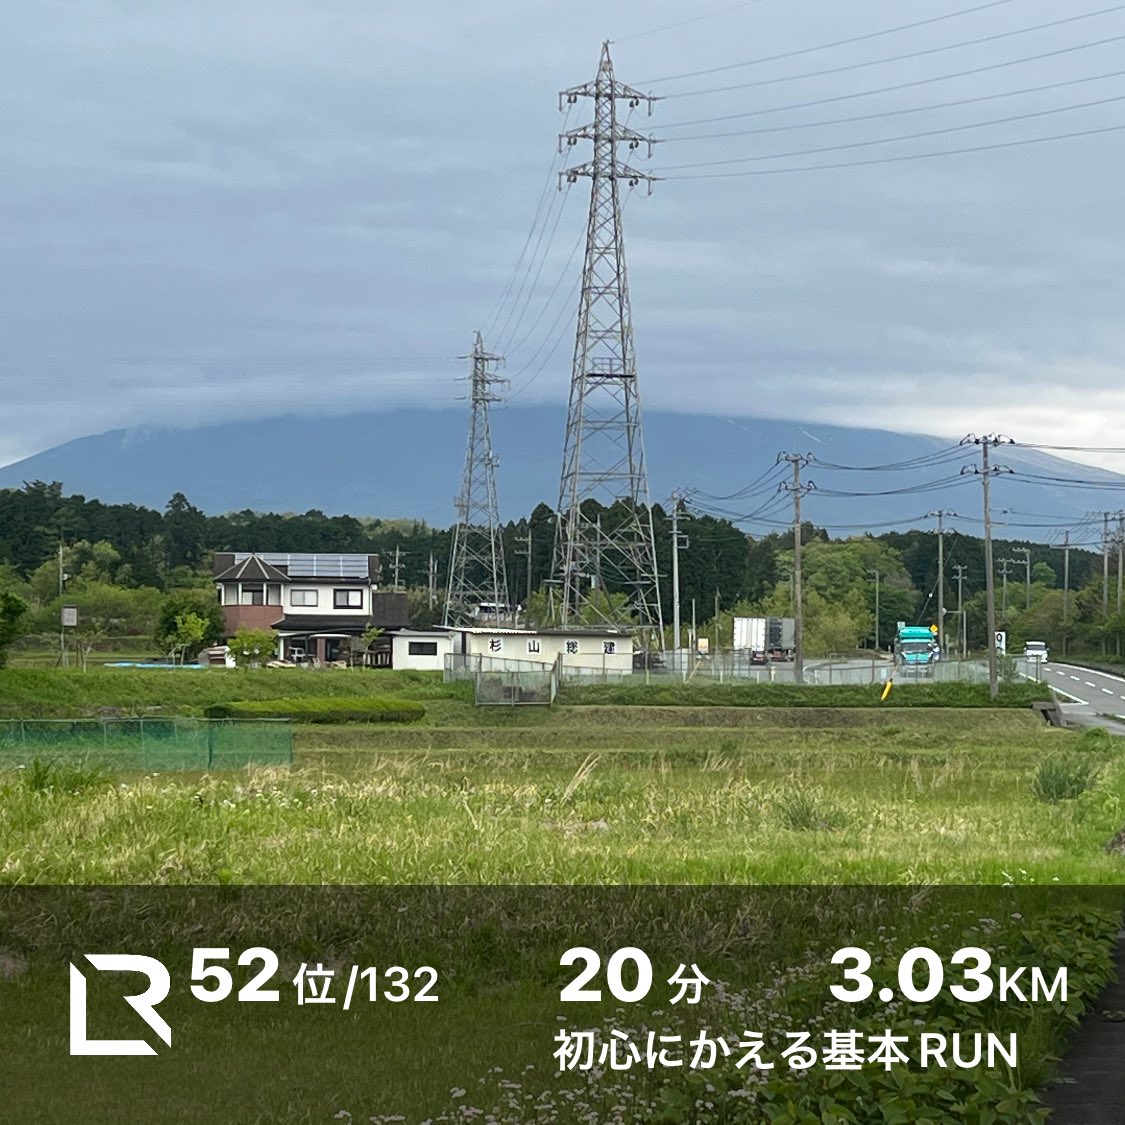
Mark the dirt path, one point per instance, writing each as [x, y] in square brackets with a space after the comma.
[1092, 1090]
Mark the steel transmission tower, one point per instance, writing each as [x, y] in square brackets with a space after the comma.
[603, 455]
[476, 564]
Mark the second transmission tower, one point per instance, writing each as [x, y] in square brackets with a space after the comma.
[605, 542]
[478, 585]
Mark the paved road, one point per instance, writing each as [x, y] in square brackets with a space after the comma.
[1087, 696]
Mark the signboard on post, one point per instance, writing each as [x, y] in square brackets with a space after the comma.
[1001, 642]
[69, 616]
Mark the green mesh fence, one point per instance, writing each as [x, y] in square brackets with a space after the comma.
[148, 744]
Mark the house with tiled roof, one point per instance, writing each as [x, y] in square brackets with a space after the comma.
[314, 602]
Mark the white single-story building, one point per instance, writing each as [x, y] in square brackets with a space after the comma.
[421, 649]
[581, 649]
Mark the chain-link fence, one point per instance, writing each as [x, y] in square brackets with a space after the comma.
[148, 744]
[510, 683]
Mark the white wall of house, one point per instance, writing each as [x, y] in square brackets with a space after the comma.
[612, 653]
[322, 595]
[421, 651]
[316, 597]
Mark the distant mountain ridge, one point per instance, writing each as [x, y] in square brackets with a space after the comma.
[408, 463]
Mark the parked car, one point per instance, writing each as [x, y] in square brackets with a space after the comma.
[1036, 650]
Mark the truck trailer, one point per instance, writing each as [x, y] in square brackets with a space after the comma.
[765, 638]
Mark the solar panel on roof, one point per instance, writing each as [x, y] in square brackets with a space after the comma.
[313, 566]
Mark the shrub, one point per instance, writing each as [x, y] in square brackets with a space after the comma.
[1097, 739]
[315, 709]
[1021, 694]
[62, 777]
[807, 810]
[1062, 778]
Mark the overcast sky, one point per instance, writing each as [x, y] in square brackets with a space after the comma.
[252, 207]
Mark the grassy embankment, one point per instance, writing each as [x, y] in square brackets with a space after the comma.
[656, 788]
[591, 793]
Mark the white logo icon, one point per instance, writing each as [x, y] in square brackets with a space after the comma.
[143, 1003]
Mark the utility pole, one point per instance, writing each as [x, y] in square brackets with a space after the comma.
[679, 543]
[960, 573]
[1026, 552]
[1004, 564]
[941, 513]
[476, 564]
[1066, 584]
[526, 553]
[1105, 576]
[433, 580]
[62, 628]
[986, 473]
[796, 489]
[872, 570]
[603, 455]
[1120, 588]
[397, 568]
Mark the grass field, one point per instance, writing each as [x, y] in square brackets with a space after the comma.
[615, 791]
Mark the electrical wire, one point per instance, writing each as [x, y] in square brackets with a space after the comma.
[893, 140]
[897, 86]
[685, 22]
[824, 46]
[552, 172]
[925, 52]
[902, 158]
[937, 457]
[898, 112]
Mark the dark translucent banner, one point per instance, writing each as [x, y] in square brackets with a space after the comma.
[529, 1004]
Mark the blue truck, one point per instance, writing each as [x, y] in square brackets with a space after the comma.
[916, 650]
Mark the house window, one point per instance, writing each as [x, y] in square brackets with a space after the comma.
[253, 595]
[422, 648]
[230, 593]
[273, 594]
[347, 599]
[302, 597]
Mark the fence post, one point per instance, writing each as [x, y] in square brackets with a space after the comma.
[144, 752]
[23, 733]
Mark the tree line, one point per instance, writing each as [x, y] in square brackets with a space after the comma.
[135, 571]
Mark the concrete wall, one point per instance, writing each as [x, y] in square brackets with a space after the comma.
[401, 657]
[578, 652]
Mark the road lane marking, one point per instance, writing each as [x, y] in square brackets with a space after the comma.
[1090, 683]
[1076, 678]
[1107, 691]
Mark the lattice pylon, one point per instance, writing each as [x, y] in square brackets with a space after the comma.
[476, 566]
[603, 457]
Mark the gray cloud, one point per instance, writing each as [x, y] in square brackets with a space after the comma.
[236, 210]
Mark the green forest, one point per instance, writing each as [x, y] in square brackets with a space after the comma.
[137, 574]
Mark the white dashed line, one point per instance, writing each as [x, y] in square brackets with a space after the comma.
[1090, 683]
[1076, 678]
[1107, 691]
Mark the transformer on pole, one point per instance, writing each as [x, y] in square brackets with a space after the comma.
[605, 542]
[478, 585]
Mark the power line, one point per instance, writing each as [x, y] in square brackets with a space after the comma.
[685, 22]
[899, 58]
[897, 86]
[899, 112]
[945, 455]
[825, 46]
[901, 137]
[906, 157]
[552, 171]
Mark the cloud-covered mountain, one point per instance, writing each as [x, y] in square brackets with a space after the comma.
[409, 462]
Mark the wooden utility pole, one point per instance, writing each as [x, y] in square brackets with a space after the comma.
[986, 472]
[1066, 588]
[960, 572]
[796, 489]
